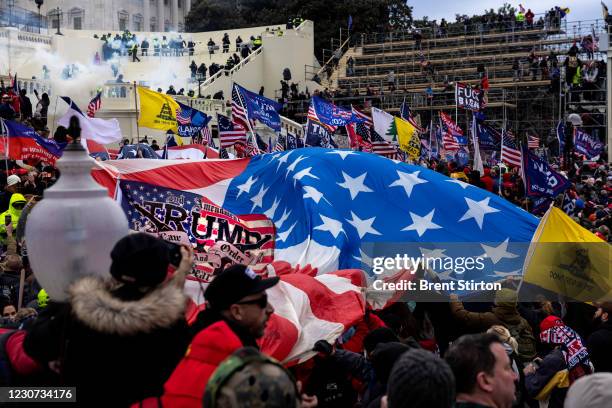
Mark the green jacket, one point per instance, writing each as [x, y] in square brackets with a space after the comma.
[14, 213]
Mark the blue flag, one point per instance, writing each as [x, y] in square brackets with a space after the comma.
[540, 178]
[261, 108]
[569, 204]
[587, 145]
[190, 121]
[489, 138]
[318, 136]
[332, 115]
[350, 22]
[462, 156]
[24, 144]
[541, 205]
[291, 141]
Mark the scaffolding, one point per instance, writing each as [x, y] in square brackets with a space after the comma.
[424, 73]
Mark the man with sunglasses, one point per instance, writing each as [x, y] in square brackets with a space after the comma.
[237, 311]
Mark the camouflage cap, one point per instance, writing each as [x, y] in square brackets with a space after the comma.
[249, 378]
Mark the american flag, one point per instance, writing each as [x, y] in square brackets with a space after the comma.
[370, 197]
[368, 120]
[280, 144]
[239, 111]
[183, 115]
[206, 137]
[406, 114]
[94, 105]
[533, 142]
[381, 147]
[449, 142]
[510, 152]
[230, 133]
[251, 148]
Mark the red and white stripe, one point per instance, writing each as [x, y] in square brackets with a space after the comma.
[361, 115]
[510, 155]
[190, 152]
[307, 308]
[449, 142]
[239, 112]
[312, 115]
[533, 142]
[229, 138]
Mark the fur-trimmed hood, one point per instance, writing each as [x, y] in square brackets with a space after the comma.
[95, 306]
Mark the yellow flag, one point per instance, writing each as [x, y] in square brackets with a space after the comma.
[157, 111]
[408, 138]
[570, 260]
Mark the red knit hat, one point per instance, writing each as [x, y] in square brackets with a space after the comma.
[551, 321]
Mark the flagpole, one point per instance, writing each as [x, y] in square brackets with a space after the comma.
[54, 115]
[136, 117]
[430, 130]
[6, 144]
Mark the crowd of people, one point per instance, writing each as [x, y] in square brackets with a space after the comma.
[501, 353]
[18, 106]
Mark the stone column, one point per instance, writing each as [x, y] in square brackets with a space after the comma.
[175, 16]
[146, 15]
[160, 15]
[187, 6]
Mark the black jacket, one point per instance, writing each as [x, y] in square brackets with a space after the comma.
[115, 352]
[550, 365]
[600, 348]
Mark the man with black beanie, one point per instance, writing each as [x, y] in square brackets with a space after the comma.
[420, 379]
[237, 311]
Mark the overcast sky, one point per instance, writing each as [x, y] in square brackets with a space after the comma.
[437, 9]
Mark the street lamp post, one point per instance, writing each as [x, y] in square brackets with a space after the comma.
[58, 13]
[39, 3]
[82, 242]
[200, 79]
[10, 4]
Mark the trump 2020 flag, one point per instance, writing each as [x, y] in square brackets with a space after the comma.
[587, 145]
[157, 111]
[261, 108]
[540, 178]
[24, 144]
[332, 115]
[317, 135]
[328, 205]
[103, 131]
[190, 121]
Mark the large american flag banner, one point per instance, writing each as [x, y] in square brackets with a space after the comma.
[94, 105]
[510, 151]
[350, 199]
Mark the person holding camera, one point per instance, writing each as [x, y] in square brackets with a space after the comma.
[117, 339]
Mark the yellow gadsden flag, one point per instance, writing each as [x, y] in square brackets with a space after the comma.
[157, 111]
[568, 259]
[408, 138]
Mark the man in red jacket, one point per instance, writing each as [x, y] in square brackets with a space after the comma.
[236, 316]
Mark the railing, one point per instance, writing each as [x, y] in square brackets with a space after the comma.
[224, 72]
[28, 84]
[21, 36]
[508, 25]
